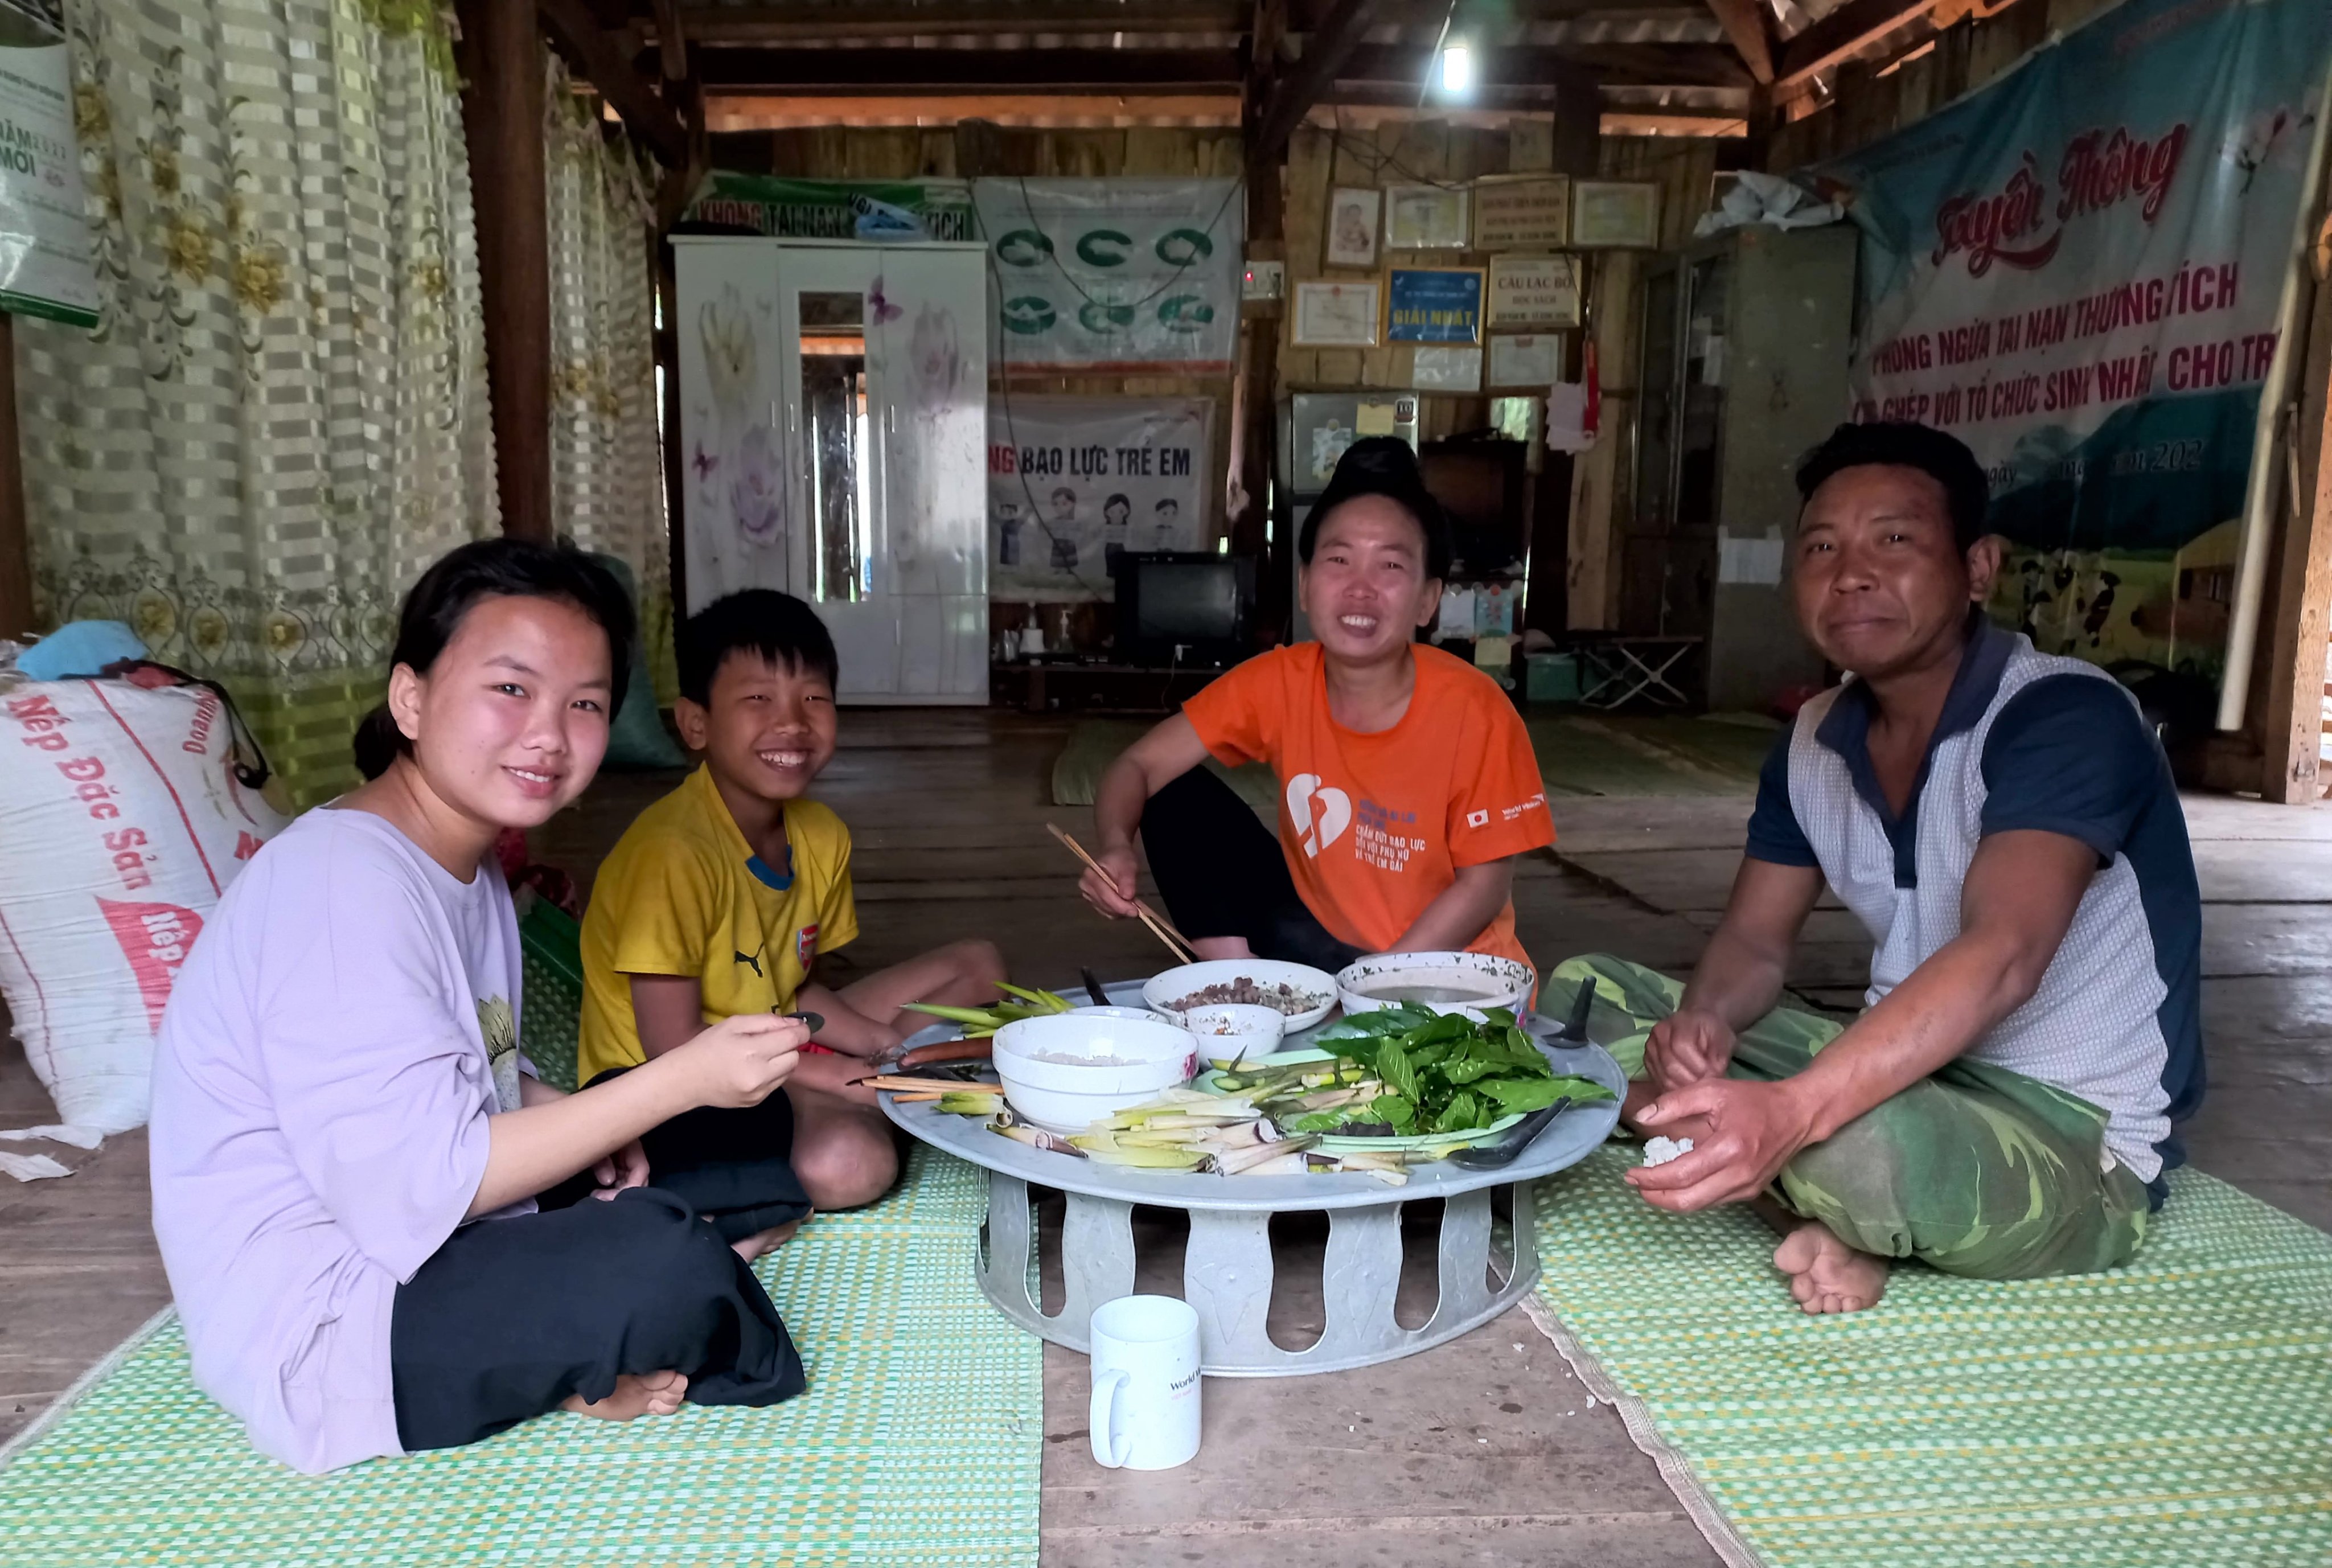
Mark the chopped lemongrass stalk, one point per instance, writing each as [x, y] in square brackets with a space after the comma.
[1149, 1159]
[1035, 1137]
[1245, 1160]
[1279, 1165]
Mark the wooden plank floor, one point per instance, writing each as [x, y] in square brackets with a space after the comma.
[1484, 1451]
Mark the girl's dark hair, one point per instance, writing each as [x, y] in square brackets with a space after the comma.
[436, 604]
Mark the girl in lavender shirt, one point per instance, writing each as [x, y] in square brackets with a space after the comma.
[348, 1145]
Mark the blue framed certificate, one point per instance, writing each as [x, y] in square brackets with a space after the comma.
[1433, 305]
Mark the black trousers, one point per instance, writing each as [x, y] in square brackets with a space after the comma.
[510, 1317]
[1222, 873]
[733, 1166]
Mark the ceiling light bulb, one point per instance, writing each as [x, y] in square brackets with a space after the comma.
[1456, 71]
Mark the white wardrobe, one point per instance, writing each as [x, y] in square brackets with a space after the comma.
[834, 426]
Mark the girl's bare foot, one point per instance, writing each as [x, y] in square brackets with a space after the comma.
[655, 1394]
[1825, 1274]
[761, 1243]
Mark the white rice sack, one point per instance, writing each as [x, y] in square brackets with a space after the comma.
[121, 821]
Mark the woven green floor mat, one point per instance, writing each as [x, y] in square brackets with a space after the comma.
[2177, 1411]
[918, 1442]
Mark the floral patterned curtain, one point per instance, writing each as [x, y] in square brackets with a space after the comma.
[282, 415]
[606, 457]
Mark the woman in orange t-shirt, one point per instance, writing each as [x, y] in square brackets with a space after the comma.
[1407, 783]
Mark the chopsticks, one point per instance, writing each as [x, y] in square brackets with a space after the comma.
[1176, 942]
[900, 1083]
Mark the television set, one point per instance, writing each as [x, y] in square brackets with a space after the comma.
[1184, 607]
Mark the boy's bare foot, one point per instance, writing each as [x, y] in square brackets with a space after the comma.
[761, 1243]
[655, 1394]
[1825, 1274]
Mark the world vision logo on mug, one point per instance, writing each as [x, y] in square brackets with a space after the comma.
[1304, 794]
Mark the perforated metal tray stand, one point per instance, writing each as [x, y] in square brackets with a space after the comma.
[1227, 1266]
[1228, 1271]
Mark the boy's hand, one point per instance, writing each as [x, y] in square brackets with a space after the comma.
[1111, 888]
[742, 1060]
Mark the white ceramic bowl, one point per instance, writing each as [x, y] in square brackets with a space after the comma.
[1164, 990]
[1116, 1012]
[1064, 1071]
[1446, 982]
[1236, 1030]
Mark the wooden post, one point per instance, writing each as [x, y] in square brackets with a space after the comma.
[15, 535]
[2292, 721]
[1257, 440]
[502, 64]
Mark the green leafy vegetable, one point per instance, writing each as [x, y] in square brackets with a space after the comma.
[1393, 1067]
[1407, 1070]
[1462, 1114]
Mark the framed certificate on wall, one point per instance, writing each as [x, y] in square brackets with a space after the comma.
[1433, 305]
[1351, 237]
[1615, 215]
[1426, 218]
[1336, 315]
[1533, 291]
[1531, 359]
[1522, 211]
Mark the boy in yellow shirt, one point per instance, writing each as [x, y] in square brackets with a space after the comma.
[718, 900]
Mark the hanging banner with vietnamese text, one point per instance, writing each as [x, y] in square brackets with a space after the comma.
[2076, 272]
[1114, 274]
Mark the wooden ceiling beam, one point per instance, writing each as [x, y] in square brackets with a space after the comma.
[1746, 25]
[1842, 34]
[885, 19]
[576, 32]
[1622, 65]
[1332, 42]
[731, 70]
[1364, 73]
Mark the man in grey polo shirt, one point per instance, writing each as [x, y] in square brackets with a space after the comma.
[2004, 825]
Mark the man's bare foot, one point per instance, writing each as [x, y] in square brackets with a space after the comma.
[1825, 1274]
[761, 1243]
[655, 1393]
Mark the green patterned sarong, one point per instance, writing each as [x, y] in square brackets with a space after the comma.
[1975, 1170]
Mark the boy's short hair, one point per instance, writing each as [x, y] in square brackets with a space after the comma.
[775, 626]
[1942, 458]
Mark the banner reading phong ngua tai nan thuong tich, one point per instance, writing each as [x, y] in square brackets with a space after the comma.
[2076, 272]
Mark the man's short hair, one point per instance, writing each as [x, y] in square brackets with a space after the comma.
[777, 627]
[1943, 458]
[1170, 503]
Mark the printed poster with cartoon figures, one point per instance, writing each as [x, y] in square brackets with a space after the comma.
[2077, 272]
[1074, 482]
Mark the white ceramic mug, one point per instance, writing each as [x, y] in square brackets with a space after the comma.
[1145, 1382]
